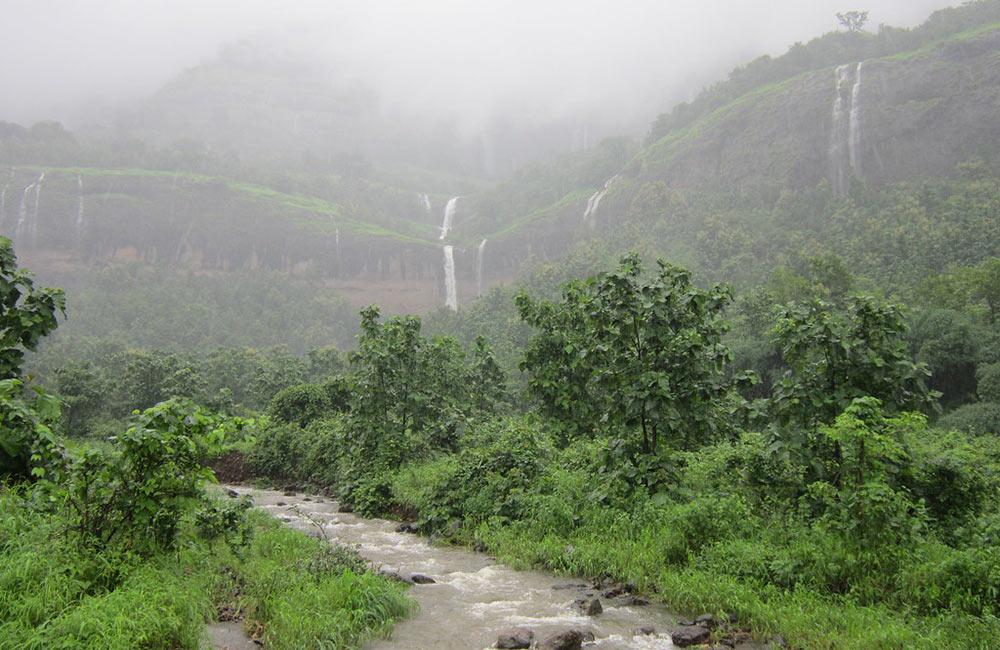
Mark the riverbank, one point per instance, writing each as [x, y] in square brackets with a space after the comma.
[287, 589]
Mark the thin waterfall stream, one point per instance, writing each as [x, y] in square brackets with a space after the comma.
[473, 598]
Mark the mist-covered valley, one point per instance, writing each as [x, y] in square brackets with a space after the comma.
[694, 301]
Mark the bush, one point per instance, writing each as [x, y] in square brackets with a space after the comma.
[300, 404]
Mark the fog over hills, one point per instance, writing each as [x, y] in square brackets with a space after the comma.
[551, 75]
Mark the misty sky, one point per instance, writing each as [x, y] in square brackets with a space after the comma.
[472, 58]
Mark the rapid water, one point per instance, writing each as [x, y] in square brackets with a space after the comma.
[79, 202]
[480, 251]
[450, 289]
[595, 198]
[473, 598]
[853, 123]
[449, 216]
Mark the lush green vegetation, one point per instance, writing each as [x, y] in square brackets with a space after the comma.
[819, 502]
[123, 545]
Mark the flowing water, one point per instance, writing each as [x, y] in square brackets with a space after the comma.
[595, 199]
[480, 252]
[474, 598]
[449, 216]
[450, 288]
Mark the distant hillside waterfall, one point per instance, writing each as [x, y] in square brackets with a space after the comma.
[450, 290]
[845, 131]
[595, 199]
[79, 202]
[480, 251]
[449, 216]
[22, 213]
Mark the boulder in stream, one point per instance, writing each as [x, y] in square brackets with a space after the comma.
[515, 637]
[421, 579]
[686, 635]
[566, 640]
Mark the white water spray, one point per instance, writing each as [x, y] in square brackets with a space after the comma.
[34, 217]
[845, 129]
[449, 216]
[595, 198]
[450, 290]
[853, 125]
[79, 202]
[425, 200]
[22, 213]
[480, 250]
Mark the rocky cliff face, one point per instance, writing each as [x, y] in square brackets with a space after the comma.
[909, 116]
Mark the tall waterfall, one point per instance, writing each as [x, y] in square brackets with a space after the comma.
[449, 216]
[845, 131]
[34, 217]
[79, 202]
[480, 250]
[22, 213]
[450, 290]
[595, 198]
[425, 201]
[853, 126]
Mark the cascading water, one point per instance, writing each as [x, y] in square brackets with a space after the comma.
[3, 198]
[480, 251]
[845, 131]
[853, 125]
[472, 598]
[34, 217]
[449, 216]
[450, 290]
[595, 198]
[79, 202]
[425, 201]
[22, 213]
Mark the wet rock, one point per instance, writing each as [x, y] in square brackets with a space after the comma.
[232, 494]
[645, 630]
[515, 637]
[286, 519]
[319, 500]
[567, 640]
[306, 499]
[479, 547]
[687, 635]
[705, 620]
[568, 586]
[407, 527]
[280, 503]
[392, 575]
[635, 601]
[588, 637]
[421, 579]
[289, 493]
[593, 607]
[618, 590]
[345, 508]
[728, 642]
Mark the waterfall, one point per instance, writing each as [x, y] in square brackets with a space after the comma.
[479, 267]
[425, 200]
[838, 175]
[451, 292]
[22, 213]
[34, 217]
[79, 202]
[595, 198]
[853, 130]
[449, 216]
[845, 131]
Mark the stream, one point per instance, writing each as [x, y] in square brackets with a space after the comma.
[473, 598]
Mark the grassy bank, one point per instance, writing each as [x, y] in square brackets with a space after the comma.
[294, 591]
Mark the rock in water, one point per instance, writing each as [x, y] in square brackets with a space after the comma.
[686, 635]
[593, 607]
[568, 640]
[515, 637]
[421, 579]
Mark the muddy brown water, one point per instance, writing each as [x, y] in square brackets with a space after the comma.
[474, 597]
